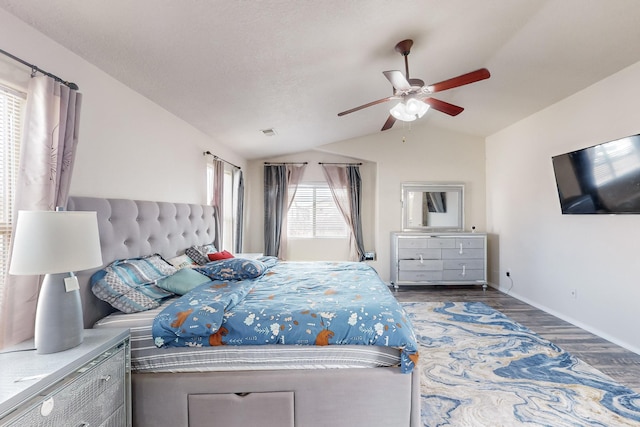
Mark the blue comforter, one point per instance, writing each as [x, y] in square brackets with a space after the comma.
[295, 303]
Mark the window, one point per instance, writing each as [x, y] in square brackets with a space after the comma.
[227, 238]
[11, 110]
[314, 214]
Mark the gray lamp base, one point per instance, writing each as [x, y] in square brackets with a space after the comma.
[59, 324]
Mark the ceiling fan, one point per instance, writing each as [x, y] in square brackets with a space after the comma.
[414, 96]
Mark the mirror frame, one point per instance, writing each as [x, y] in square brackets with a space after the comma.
[454, 187]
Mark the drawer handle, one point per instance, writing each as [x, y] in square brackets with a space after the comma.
[47, 407]
[461, 252]
[464, 270]
[421, 260]
[106, 378]
[242, 394]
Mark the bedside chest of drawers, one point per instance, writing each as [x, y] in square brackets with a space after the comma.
[438, 259]
[89, 385]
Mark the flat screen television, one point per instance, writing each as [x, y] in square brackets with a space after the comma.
[603, 179]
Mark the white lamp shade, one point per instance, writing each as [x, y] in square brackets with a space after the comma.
[48, 242]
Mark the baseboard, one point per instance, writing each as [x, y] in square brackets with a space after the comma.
[568, 319]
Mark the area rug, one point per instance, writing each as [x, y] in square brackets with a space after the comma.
[480, 368]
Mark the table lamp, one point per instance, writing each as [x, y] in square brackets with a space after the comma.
[56, 244]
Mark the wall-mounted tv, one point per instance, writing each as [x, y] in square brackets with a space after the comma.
[603, 179]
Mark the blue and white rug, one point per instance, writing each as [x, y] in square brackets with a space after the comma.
[480, 368]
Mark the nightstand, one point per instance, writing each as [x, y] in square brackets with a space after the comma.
[89, 385]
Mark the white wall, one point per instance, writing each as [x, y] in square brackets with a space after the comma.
[128, 147]
[429, 154]
[549, 254]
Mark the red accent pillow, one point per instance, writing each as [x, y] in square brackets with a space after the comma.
[217, 256]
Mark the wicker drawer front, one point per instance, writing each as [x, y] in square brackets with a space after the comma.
[269, 409]
[117, 419]
[89, 399]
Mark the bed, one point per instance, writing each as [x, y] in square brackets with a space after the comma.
[267, 385]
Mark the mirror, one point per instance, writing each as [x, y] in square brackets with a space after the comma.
[432, 207]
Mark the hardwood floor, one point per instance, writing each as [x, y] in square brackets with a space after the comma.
[620, 364]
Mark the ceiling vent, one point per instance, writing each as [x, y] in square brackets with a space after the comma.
[269, 132]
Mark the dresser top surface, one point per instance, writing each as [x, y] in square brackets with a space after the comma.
[438, 234]
[24, 373]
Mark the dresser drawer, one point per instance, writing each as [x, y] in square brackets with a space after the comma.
[458, 264]
[269, 409]
[117, 419]
[420, 276]
[431, 242]
[89, 398]
[419, 253]
[464, 253]
[441, 242]
[469, 242]
[463, 275]
[413, 243]
[417, 265]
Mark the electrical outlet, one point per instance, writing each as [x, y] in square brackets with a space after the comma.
[574, 293]
[508, 273]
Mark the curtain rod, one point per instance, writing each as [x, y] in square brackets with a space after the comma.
[209, 153]
[285, 163]
[35, 69]
[347, 164]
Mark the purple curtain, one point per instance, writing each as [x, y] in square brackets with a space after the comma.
[47, 155]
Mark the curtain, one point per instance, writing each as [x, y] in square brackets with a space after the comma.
[217, 199]
[238, 197]
[47, 156]
[345, 184]
[280, 185]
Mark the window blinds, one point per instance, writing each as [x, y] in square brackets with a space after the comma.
[11, 110]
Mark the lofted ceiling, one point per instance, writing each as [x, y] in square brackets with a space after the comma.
[232, 68]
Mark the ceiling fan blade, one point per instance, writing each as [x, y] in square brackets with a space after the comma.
[379, 101]
[390, 121]
[443, 107]
[462, 80]
[397, 79]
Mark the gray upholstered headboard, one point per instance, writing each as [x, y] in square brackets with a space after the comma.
[133, 228]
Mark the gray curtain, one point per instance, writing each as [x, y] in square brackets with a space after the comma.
[280, 185]
[217, 200]
[238, 197]
[345, 184]
[47, 156]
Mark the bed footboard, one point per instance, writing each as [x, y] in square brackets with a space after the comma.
[375, 397]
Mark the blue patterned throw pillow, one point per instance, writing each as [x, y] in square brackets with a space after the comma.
[130, 285]
[233, 269]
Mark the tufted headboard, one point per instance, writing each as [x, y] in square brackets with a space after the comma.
[133, 228]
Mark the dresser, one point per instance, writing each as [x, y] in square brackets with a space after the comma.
[88, 385]
[455, 258]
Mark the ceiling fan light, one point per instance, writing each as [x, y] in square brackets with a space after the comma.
[409, 111]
